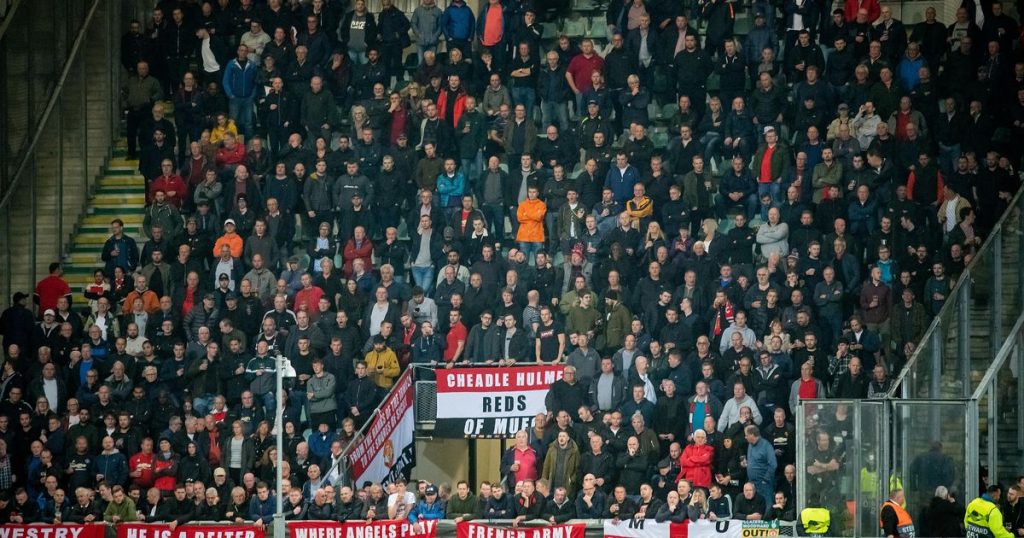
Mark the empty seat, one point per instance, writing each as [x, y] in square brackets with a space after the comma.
[575, 26]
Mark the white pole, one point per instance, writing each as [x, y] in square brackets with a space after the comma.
[279, 530]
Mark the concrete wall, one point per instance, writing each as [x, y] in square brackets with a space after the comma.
[448, 460]
[51, 195]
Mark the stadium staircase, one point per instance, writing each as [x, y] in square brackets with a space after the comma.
[120, 193]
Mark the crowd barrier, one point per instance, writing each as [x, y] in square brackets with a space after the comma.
[445, 528]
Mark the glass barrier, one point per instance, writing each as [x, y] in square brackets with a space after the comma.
[840, 462]
[977, 315]
[930, 449]
[855, 452]
[999, 396]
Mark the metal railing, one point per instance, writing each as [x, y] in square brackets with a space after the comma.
[447, 527]
[980, 309]
[1002, 393]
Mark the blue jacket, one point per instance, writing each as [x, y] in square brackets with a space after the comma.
[761, 462]
[262, 511]
[451, 188]
[458, 22]
[622, 183]
[424, 510]
[908, 72]
[240, 82]
[730, 183]
[113, 467]
[320, 445]
[863, 218]
[503, 508]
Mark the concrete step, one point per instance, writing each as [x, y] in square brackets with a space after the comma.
[91, 238]
[121, 189]
[121, 181]
[124, 199]
[98, 220]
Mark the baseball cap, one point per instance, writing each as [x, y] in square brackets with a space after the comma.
[769, 129]
[208, 296]
[229, 221]
[231, 296]
[431, 490]
[49, 312]
[592, 102]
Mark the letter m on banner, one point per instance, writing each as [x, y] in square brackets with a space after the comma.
[646, 528]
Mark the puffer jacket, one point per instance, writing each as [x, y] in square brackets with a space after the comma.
[531, 221]
[316, 194]
[426, 511]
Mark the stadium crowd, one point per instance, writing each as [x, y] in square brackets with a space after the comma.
[704, 228]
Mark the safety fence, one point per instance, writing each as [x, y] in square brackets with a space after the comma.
[852, 453]
[444, 528]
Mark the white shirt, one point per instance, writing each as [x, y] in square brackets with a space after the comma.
[951, 214]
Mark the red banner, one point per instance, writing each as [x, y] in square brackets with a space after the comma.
[479, 530]
[218, 531]
[11, 530]
[144, 530]
[387, 451]
[361, 529]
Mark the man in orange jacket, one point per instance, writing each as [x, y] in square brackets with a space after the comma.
[530, 215]
[233, 241]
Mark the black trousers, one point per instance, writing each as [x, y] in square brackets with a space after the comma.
[135, 118]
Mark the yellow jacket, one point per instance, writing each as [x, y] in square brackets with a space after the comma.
[983, 518]
[383, 367]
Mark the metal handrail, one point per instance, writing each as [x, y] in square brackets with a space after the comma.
[6, 22]
[590, 523]
[55, 96]
[954, 295]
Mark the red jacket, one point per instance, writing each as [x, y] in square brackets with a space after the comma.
[351, 252]
[310, 299]
[227, 156]
[695, 464]
[168, 184]
[145, 479]
[167, 471]
[459, 105]
[850, 8]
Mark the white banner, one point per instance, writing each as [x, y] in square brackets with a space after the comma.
[732, 528]
[491, 402]
[644, 528]
[700, 529]
[387, 450]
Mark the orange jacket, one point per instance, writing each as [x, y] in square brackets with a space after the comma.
[233, 241]
[531, 221]
[150, 302]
